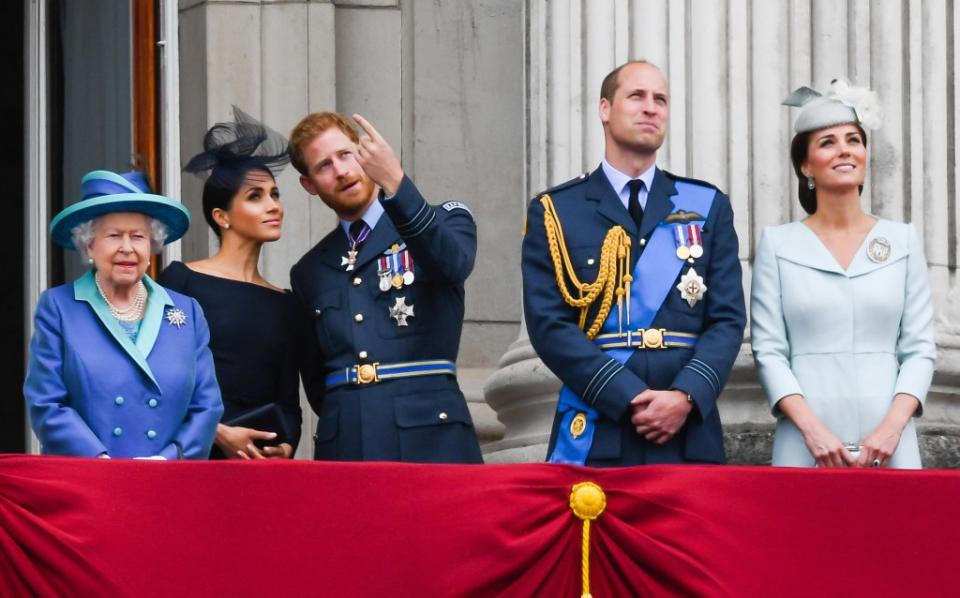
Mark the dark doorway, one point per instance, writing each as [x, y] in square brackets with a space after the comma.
[13, 326]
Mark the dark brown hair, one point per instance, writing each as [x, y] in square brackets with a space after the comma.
[798, 155]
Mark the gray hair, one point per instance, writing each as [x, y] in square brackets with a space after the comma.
[83, 233]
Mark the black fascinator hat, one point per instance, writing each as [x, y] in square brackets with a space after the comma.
[231, 149]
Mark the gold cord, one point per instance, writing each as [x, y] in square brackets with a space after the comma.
[613, 277]
[587, 501]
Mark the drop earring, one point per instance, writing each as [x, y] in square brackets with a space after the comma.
[811, 184]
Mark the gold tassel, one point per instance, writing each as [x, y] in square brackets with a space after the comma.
[612, 276]
[587, 501]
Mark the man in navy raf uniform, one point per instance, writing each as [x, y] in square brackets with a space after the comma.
[633, 294]
[384, 294]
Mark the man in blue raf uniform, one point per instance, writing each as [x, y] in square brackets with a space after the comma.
[632, 294]
[384, 293]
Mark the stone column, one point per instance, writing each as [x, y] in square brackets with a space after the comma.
[729, 64]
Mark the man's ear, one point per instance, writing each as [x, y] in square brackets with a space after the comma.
[307, 185]
[604, 110]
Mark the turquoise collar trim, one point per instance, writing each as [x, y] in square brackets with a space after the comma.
[85, 289]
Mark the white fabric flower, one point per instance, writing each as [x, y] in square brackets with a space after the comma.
[864, 102]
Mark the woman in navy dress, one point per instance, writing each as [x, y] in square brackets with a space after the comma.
[253, 327]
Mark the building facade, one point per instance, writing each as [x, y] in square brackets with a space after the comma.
[489, 101]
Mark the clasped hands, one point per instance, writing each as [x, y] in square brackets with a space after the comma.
[659, 414]
[875, 450]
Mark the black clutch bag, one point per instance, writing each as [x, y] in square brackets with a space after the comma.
[266, 418]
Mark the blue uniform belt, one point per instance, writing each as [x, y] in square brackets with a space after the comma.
[371, 373]
[646, 338]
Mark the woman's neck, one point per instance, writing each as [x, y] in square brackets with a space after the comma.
[238, 259]
[837, 211]
[120, 296]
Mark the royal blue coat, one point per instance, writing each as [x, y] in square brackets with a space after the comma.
[90, 390]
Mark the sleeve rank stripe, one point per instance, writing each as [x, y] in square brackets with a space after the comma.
[606, 381]
[412, 223]
[697, 369]
[709, 370]
[423, 227]
[596, 376]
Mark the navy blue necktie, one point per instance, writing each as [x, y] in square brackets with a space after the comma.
[633, 204]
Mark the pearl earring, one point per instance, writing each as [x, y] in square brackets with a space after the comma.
[227, 226]
[90, 260]
[811, 184]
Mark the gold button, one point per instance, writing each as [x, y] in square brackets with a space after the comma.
[358, 318]
[363, 354]
[356, 281]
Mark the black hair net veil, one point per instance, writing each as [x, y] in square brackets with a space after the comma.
[231, 149]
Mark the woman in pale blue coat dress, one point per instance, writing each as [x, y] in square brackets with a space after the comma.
[841, 316]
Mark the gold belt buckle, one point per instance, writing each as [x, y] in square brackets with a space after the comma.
[653, 338]
[366, 373]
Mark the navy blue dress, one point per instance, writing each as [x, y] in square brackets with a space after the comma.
[253, 338]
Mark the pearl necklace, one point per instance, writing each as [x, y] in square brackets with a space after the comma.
[132, 313]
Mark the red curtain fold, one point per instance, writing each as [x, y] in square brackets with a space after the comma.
[89, 527]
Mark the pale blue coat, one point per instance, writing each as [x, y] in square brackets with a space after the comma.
[848, 341]
[90, 390]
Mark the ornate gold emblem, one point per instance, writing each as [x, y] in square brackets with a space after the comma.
[579, 425]
[691, 287]
[366, 373]
[653, 338]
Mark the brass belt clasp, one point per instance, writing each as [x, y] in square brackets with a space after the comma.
[366, 373]
[653, 338]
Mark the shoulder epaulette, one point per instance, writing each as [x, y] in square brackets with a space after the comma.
[691, 180]
[572, 182]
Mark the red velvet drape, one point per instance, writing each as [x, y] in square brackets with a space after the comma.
[85, 527]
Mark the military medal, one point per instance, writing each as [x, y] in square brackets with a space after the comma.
[400, 311]
[696, 241]
[349, 260]
[408, 276]
[680, 237]
[879, 250]
[691, 287]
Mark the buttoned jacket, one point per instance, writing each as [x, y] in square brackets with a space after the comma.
[411, 419]
[90, 390]
[588, 207]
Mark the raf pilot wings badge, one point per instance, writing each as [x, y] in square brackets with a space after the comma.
[683, 216]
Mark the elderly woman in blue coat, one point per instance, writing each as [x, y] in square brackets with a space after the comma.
[841, 316]
[119, 366]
